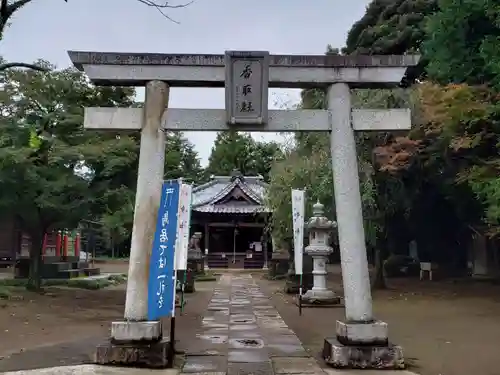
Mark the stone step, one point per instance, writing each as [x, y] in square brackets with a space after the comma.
[70, 274]
[92, 271]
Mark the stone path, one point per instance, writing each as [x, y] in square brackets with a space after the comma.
[242, 333]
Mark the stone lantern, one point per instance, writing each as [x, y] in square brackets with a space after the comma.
[320, 229]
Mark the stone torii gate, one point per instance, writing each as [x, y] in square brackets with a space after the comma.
[360, 340]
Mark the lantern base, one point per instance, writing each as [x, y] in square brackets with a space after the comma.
[322, 298]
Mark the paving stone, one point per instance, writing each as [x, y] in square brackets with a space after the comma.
[208, 345]
[243, 327]
[275, 331]
[248, 355]
[200, 363]
[259, 368]
[246, 343]
[267, 314]
[287, 365]
[214, 332]
[243, 334]
[217, 308]
[215, 319]
[264, 307]
[331, 371]
[92, 370]
[286, 350]
[242, 318]
[282, 340]
[246, 310]
[271, 323]
[215, 326]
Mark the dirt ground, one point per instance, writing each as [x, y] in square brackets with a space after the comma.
[64, 326]
[445, 328]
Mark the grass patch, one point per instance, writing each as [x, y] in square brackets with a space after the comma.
[207, 276]
[5, 293]
[79, 283]
[202, 278]
[274, 278]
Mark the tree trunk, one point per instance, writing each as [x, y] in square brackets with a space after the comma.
[35, 275]
[378, 281]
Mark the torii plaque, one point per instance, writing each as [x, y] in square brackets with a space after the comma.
[247, 81]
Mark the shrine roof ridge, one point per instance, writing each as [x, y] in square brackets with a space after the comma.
[80, 58]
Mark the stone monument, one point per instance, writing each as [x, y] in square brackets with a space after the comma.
[195, 255]
[194, 263]
[279, 261]
[320, 229]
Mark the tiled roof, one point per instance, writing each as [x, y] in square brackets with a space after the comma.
[207, 196]
[231, 208]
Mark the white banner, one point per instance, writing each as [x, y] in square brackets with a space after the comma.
[184, 223]
[298, 212]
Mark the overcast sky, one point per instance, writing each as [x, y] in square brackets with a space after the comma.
[48, 28]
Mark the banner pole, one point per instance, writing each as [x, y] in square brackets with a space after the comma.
[183, 286]
[300, 295]
[171, 351]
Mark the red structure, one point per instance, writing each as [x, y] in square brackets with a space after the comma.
[58, 244]
[65, 244]
[77, 244]
[44, 246]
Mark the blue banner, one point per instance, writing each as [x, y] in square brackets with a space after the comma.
[161, 286]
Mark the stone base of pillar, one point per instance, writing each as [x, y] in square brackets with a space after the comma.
[148, 354]
[136, 344]
[130, 331]
[362, 345]
[323, 298]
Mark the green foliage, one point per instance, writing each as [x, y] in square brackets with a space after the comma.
[297, 171]
[52, 172]
[390, 27]
[181, 160]
[236, 150]
[463, 122]
[451, 155]
[463, 40]
[78, 283]
[43, 146]
[5, 293]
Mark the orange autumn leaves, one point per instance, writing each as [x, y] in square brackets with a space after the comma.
[449, 118]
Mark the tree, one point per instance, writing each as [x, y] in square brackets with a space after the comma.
[114, 183]
[383, 197]
[47, 177]
[463, 42]
[9, 7]
[312, 172]
[392, 27]
[455, 145]
[236, 150]
[181, 160]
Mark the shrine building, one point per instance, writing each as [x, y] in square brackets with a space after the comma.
[230, 213]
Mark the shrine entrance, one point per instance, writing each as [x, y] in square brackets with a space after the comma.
[247, 76]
